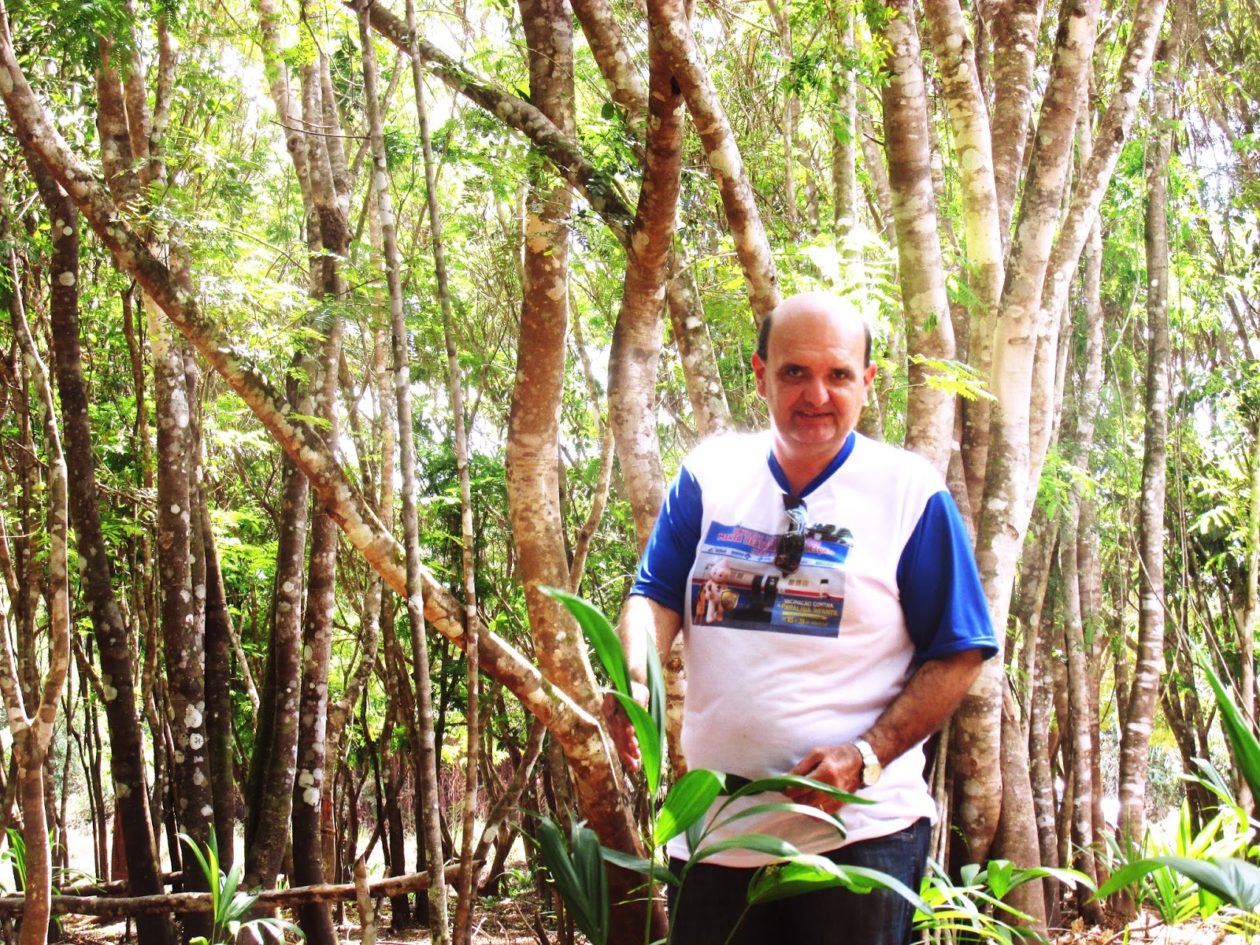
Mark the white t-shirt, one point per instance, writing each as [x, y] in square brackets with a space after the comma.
[781, 663]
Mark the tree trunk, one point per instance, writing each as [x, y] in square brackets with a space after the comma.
[1135, 738]
[273, 763]
[431, 826]
[636, 343]
[110, 629]
[1006, 506]
[455, 386]
[669, 20]
[969, 121]
[33, 733]
[929, 411]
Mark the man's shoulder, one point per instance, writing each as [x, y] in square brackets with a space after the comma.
[890, 459]
[883, 468]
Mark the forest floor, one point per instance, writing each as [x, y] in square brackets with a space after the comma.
[514, 922]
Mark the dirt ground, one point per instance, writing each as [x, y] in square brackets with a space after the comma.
[512, 922]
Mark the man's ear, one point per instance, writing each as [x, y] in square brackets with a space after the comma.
[759, 372]
[868, 376]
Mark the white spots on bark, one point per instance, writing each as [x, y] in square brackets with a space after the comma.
[122, 789]
[66, 278]
[972, 159]
[310, 796]
[196, 741]
[725, 159]
[207, 810]
[67, 231]
[192, 719]
[305, 779]
[198, 778]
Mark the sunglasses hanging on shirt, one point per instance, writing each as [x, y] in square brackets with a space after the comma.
[791, 544]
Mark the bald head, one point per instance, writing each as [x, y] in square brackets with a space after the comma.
[811, 305]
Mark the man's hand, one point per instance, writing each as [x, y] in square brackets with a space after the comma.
[620, 729]
[840, 766]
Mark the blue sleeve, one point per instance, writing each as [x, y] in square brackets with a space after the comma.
[671, 549]
[945, 607]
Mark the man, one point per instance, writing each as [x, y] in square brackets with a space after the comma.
[857, 625]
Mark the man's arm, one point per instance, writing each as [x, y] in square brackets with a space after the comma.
[644, 622]
[930, 697]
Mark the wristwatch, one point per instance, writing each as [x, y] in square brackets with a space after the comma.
[871, 768]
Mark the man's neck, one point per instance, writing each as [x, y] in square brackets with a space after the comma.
[800, 471]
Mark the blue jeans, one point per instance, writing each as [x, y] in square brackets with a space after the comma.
[713, 898]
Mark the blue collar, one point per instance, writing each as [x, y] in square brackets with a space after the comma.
[836, 462]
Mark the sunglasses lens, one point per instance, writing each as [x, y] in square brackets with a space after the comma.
[788, 551]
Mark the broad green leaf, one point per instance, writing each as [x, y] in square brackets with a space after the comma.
[571, 879]
[641, 865]
[649, 737]
[1233, 880]
[808, 872]
[688, 800]
[779, 782]
[756, 842]
[600, 634]
[1242, 738]
[785, 807]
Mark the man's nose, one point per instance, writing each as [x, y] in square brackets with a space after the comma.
[816, 390]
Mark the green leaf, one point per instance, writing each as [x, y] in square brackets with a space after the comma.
[688, 800]
[779, 782]
[807, 872]
[1242, 738]
[600, 634]
[785, 807]
[649, 737]
[641, 865]
[1233, 880]
[587, 900]
[756, 842]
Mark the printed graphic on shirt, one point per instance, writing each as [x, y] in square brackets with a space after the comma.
[737, 584]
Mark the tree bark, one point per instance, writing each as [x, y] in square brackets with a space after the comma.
[33, 733]
[1006, 506]
[113, 638]
[636, 343]
[1148, 663]
[921, 272]
[669, 21]
[969, 121]
[415, 592]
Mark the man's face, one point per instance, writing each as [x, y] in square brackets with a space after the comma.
[813, 379]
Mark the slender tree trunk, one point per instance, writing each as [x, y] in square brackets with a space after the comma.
[844, 126]
[929, 411]
[431, 827]
[614, 58]
[791, 114]
[969, 121]
[273, 763]
[670, 21]
[111, 630]
[1135, 738]
[636, 340]
[695, 350]
[1006, 507]
[455, 386]
[218, 692]
[32, 734]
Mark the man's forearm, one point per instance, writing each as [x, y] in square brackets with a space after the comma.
[644, 623]
[930, 696]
